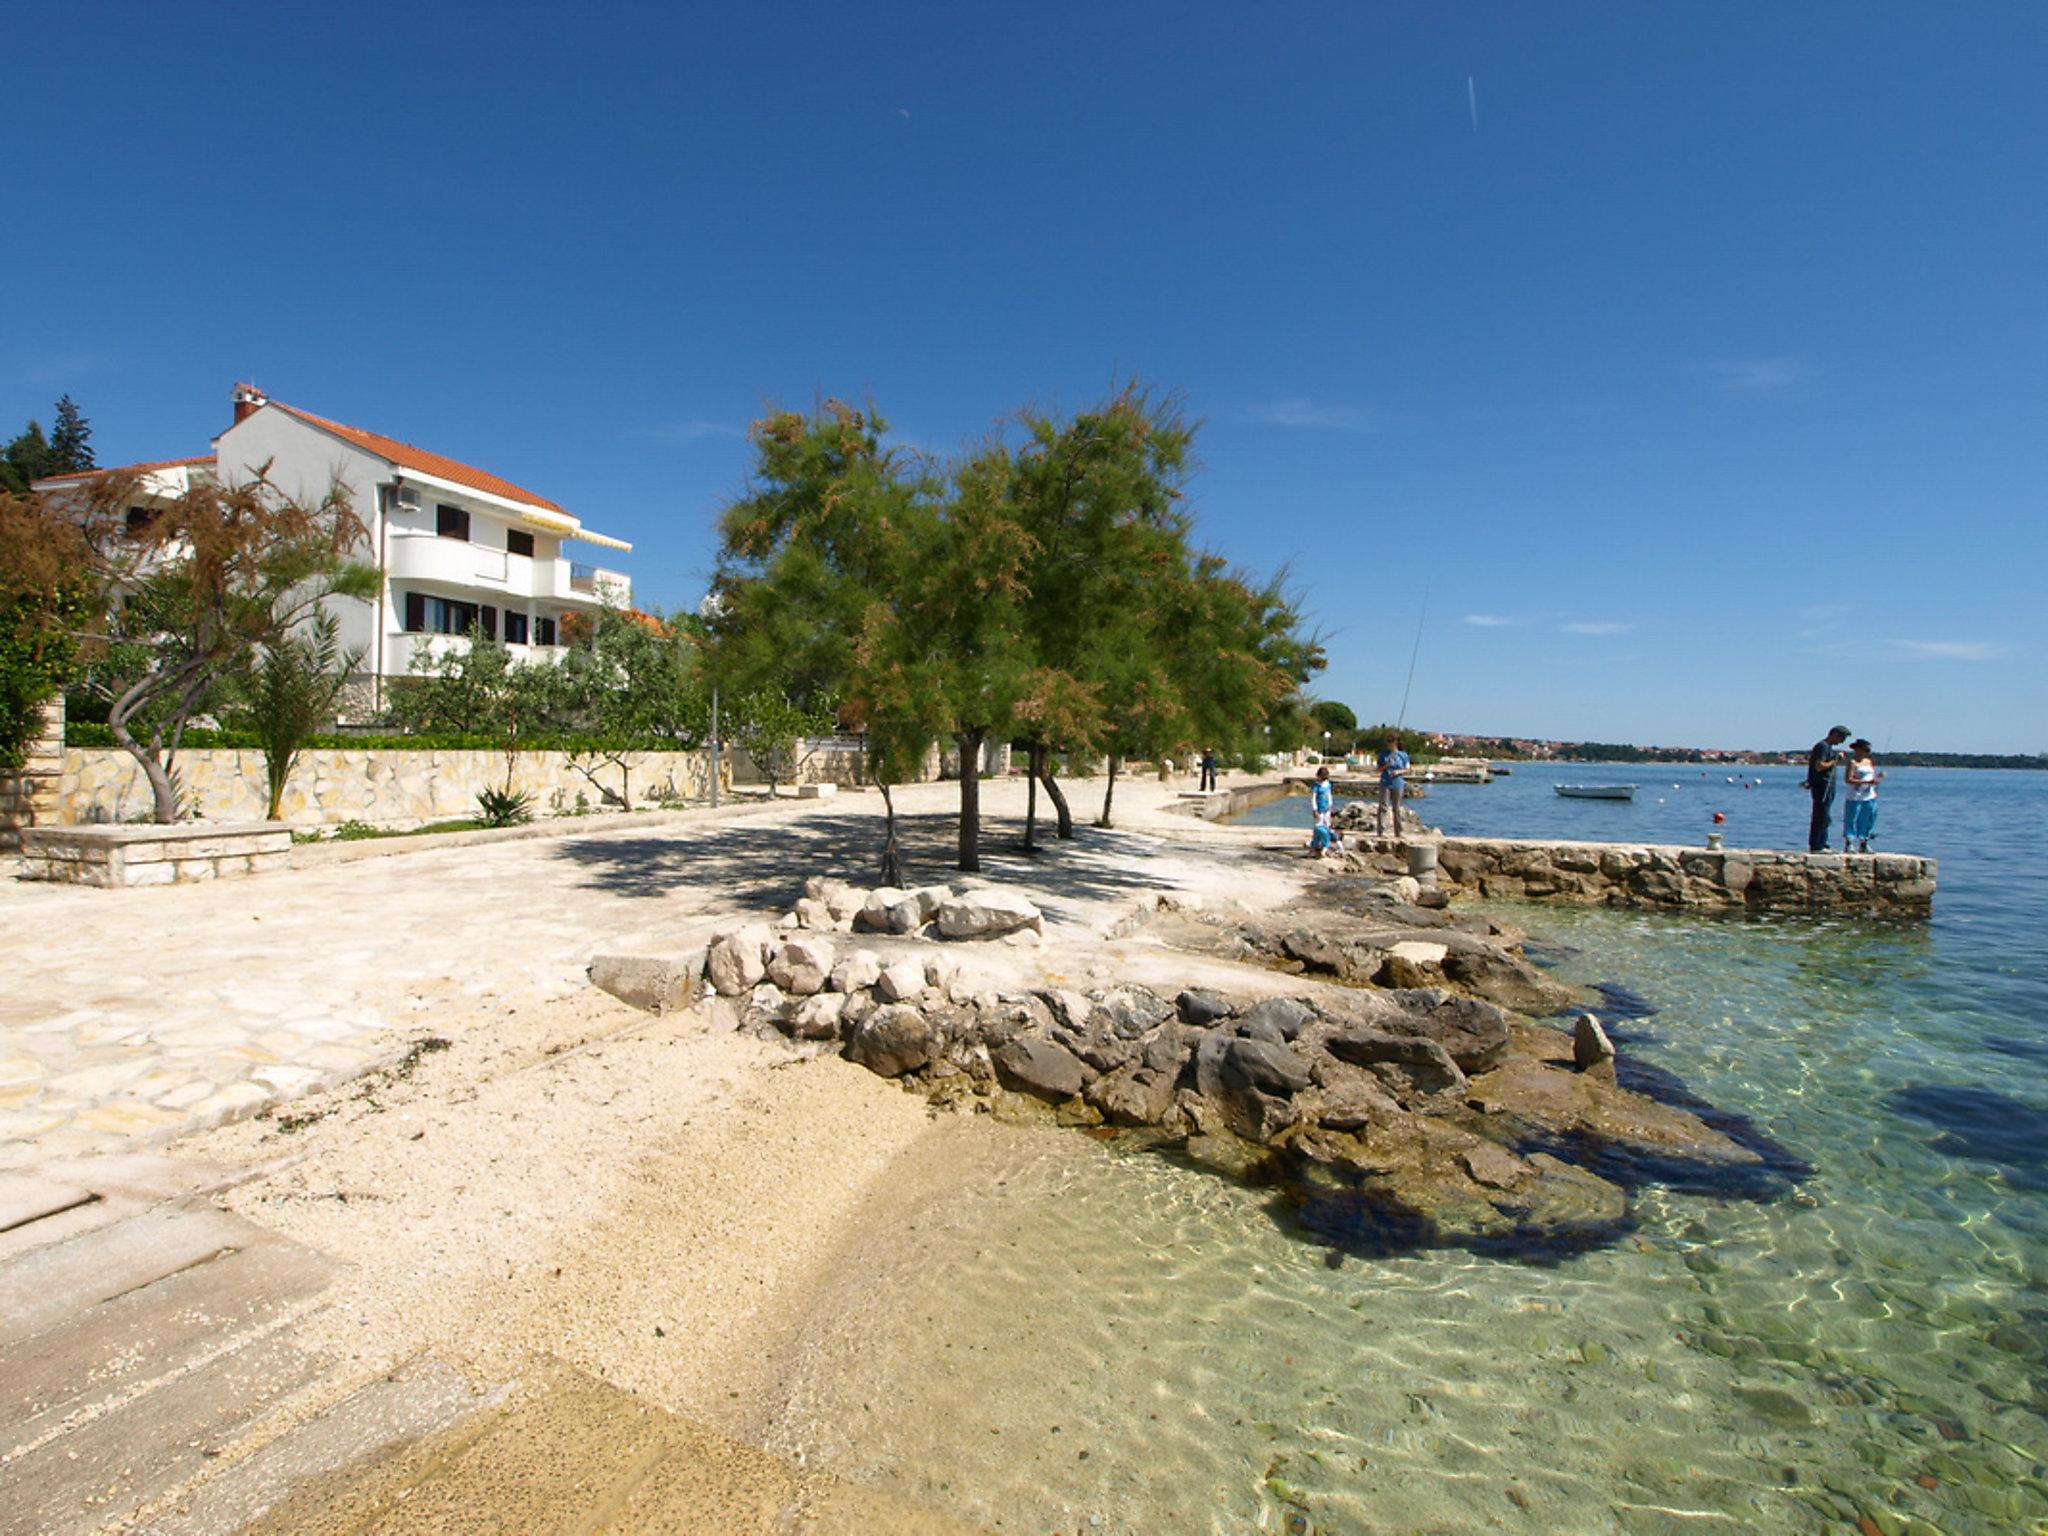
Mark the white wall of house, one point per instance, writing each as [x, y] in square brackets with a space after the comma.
[525, 593]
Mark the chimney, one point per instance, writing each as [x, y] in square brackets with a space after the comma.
[248, 401]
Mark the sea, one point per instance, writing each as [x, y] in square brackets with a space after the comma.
[1056, 1334]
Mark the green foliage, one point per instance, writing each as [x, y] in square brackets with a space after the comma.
[198, 737]
[290, 693]
[771, 727]
[1338, 720]
[26, 460]
[504, 807]
[353, 831]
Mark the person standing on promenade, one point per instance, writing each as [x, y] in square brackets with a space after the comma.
[1859, 820]
[1393, 780]
[1322, 806]
[1208, 769]
[1827, 756]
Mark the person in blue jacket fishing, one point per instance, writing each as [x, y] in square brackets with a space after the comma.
[1393, 780]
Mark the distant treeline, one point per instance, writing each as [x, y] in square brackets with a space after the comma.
[1621, 752]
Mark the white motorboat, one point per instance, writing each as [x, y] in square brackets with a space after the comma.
[1596, 791]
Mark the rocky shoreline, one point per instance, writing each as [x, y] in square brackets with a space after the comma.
[1399, 1090]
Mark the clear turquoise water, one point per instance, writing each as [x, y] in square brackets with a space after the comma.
[1797, 1365]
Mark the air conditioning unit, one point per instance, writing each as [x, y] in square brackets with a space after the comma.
[406, 499]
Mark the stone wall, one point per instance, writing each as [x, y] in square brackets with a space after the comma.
[125, 856]
[31, 798]
[1692, 879]
[383, 787]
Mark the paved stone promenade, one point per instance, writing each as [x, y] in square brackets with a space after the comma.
[128, 1016]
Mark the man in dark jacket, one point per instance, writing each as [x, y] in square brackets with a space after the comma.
[1823, 763]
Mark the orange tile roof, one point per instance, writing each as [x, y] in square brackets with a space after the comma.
[408, 457]
[128, 469]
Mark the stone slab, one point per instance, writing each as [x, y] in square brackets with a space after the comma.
[49, 1284]
[26, 1197]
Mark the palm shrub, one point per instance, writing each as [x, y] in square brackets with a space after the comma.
[290, 696]
[504, 807]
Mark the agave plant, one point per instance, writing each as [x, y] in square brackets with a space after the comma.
[504, 807]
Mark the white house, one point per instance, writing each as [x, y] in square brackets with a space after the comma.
[456, 546]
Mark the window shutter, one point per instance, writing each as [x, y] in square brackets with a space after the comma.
[415, 612]
[490, 622]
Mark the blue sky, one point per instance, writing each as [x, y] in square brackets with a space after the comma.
[1692, 361]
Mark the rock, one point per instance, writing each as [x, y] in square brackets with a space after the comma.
[1042, 1067]
[768, 1009]
[1202, 1007]
[1167, 1051]
[1493, 1166]
[1069, 1008]
[659, 984]
[842, 900]
[817, 1017]
[800, 966]
[738, 961]
[1347, 1099]
[1288, 1015]
[1473, 1031]
[811, 913]
[858, 1006]
[941, 971]
[862, 968]
[1133, 1095]
[987, 914]
[874, 907]
[1412, 1066]
[1232, 1156]
[1590, 1046]
[1260, 1029]
[1400, 972]
[1128, 1012]
[901, 980]
[1265, 1067]
[1420, 951]
[1405, 889]
[1209, 1051]
[893, 1040]
[1499, 977]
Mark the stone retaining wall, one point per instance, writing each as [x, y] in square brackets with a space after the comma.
[123, 856]
[1692, 879]
[30, 798]
[382, 787]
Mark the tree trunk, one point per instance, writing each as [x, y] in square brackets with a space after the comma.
[970, 797]
[1109, 791]
[1053, 792]
[163, 791]
[1031, 800]
[892, 863]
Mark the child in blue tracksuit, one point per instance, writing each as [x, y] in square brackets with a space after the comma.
[1322, 803]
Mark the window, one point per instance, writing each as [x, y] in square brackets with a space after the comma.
[488, 618]
[451, 522]
[515, 628]
[519, 543]
[139, 519]
[426, 615]
[543, 631]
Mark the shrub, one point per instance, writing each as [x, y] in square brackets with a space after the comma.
[504, 807]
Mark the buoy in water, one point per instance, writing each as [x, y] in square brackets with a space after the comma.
[1719, 817]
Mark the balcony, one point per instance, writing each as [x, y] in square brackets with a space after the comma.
[491, 575]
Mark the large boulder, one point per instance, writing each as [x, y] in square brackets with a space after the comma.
[1042, 1067]
[801, 966]
[1133, 1095]
[1284, 1017]
[1201, 1007]
[738, 961]
[817, 1017]
[1264, 1067]
[1414, 1067]
[1473, 1031]
[657, 983]
[988, 914]
[862, 968]
[875, 907]
[842, 902]
[901, 980]
[894, 1040]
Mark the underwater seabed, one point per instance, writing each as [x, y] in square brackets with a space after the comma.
[1060, 1334]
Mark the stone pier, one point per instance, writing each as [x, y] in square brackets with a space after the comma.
[1674, 878]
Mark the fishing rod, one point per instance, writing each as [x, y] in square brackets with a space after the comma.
[1413, 653]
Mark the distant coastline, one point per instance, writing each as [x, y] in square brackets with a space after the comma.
[1497, 749]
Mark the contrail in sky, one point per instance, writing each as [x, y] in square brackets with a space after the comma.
[1472, 97]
